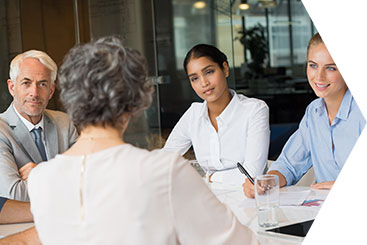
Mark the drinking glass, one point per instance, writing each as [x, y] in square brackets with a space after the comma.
[196, 165]
[267, 199]
[204, 171]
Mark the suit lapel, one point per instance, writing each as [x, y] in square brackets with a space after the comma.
[51, 136]
[27, 142]
[22, 134]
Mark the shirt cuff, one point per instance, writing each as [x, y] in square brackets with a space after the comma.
[288, 175]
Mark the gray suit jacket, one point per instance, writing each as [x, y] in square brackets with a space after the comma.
[17, 147]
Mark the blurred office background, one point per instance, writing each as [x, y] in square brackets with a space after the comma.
[265, 41]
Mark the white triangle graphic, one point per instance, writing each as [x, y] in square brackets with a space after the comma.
[342, 25]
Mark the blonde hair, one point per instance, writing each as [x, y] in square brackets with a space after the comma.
[315, 39]
[35, 54]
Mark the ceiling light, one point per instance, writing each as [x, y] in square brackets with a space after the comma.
[199, 4]
[244, 5]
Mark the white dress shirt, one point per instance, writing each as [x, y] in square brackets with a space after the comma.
[127, 195]
[243, 136]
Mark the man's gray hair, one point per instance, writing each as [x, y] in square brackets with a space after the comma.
[35, 54]
[102, 80]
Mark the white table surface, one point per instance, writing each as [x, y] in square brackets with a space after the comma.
[233, 197]
[286, 214]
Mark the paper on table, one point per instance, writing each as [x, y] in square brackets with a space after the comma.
[221, 191]
[286, 198]
[293, 198]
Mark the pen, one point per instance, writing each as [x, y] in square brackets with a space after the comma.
[243, 170]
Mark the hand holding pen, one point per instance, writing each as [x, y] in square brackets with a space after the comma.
[248, 186]
[244, 171]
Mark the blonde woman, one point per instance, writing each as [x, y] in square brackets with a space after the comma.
[328, 131]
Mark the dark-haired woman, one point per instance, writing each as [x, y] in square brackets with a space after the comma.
[227, 127]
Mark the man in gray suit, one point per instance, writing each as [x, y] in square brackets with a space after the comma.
[30, 134]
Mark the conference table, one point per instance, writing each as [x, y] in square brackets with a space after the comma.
[245, 210]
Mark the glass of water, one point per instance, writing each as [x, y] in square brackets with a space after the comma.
[267, 199]
[196, 165]
[204, 171]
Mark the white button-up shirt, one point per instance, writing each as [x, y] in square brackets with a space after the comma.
[243, 136]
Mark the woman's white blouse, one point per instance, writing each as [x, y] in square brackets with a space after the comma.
[243, 136]
[127, 195]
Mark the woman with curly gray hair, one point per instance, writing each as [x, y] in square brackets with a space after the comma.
[104, 191]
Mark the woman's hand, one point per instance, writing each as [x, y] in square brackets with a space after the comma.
[323, 185]
[248, 189]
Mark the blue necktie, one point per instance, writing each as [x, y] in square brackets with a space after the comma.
[38, 140]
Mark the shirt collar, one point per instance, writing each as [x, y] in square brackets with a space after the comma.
[30, 126]
[226, 113]
[204, 110]
[320, 106]
[344, 108]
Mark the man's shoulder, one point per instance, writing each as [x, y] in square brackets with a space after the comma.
[55, 113]
[57, 116]
[7, 114]
[4, 126]
[3, 123]
[7, 130]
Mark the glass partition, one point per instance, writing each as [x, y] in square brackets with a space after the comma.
[265, 46]
[39, 24]
[129, 20]
[10, 45]
[179, 27]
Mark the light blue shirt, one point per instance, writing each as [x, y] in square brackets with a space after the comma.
[321, 145]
